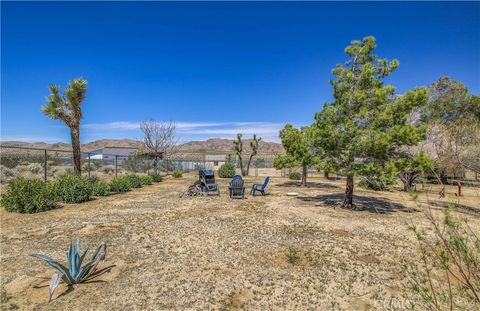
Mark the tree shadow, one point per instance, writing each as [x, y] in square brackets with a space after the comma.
[462, 208]
[309, 185]
[362, 203]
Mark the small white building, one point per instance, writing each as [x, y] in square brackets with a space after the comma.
[110, 154]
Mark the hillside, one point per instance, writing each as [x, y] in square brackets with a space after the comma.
[210, 145]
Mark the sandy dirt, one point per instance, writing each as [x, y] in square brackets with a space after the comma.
[214, 253]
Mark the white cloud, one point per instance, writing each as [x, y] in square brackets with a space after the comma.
[33, 139]
[201, 130]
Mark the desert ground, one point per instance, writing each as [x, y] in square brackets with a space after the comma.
[214, 253]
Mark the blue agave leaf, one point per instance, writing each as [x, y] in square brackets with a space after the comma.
[56, 278]
[52, 262]
[70, 256]
[85, 272]
[95, 253]
[91, 265]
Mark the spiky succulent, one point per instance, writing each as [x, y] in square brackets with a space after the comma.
[75, 273]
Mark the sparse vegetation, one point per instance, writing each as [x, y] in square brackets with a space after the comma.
[177, 173]
[226, 170]
[27, 196]
[292, 255]
[448, 274]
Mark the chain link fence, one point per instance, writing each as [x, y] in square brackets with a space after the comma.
[47, 164]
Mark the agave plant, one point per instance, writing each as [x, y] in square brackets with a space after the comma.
[75, 273]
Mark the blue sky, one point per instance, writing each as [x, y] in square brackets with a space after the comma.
[215, 68]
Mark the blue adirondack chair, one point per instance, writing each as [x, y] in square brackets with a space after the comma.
[259, 187]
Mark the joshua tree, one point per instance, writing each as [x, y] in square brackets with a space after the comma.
[238, 146]
[68, 108]
[254, 145]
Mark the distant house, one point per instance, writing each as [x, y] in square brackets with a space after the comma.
[110, 154]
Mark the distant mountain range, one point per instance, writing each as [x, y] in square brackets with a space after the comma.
[210, 145]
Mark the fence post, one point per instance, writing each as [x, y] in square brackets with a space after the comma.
[45, 167]
[89, 165]
[116, 166]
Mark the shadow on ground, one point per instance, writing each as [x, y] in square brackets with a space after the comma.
[461, 207]
[309, 185]
[362, 203]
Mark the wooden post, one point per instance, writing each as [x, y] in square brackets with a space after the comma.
[116, 166]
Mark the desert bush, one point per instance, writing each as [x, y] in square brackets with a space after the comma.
[134, 180]
[108, 169]
[295, 176]
[27, 196]
[377, 179]
[100, 188]
[76, 272]
[448, 272]
[35, 168]
[71, 188]
[177, 173]
[146, 179]
[120, 184]
[156, 177]
[7, 174]
[226, 170]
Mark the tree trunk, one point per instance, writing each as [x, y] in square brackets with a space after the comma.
[326, 174]
[75, 136]
[348, 200]
[241, 165]
[248, 164]
[304, 176]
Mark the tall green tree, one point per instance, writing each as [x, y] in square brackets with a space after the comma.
[453, 115]
[367, 123]
[254, 143]
[67, 107]
[298, 150]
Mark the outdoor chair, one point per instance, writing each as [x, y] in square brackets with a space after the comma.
[259, 187]
[236, 187]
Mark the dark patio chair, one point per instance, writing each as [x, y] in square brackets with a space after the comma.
[236, 187]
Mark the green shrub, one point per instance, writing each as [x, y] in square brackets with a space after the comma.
[27, 196]
[120, 184]
[156, 177]
[134, 180]
[100, 188]
[295, 176]
[71, 188]
[146, 179]
[177, 173]
[226, 170]
[375, 178]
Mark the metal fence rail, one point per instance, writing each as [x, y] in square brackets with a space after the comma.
[47, 164]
